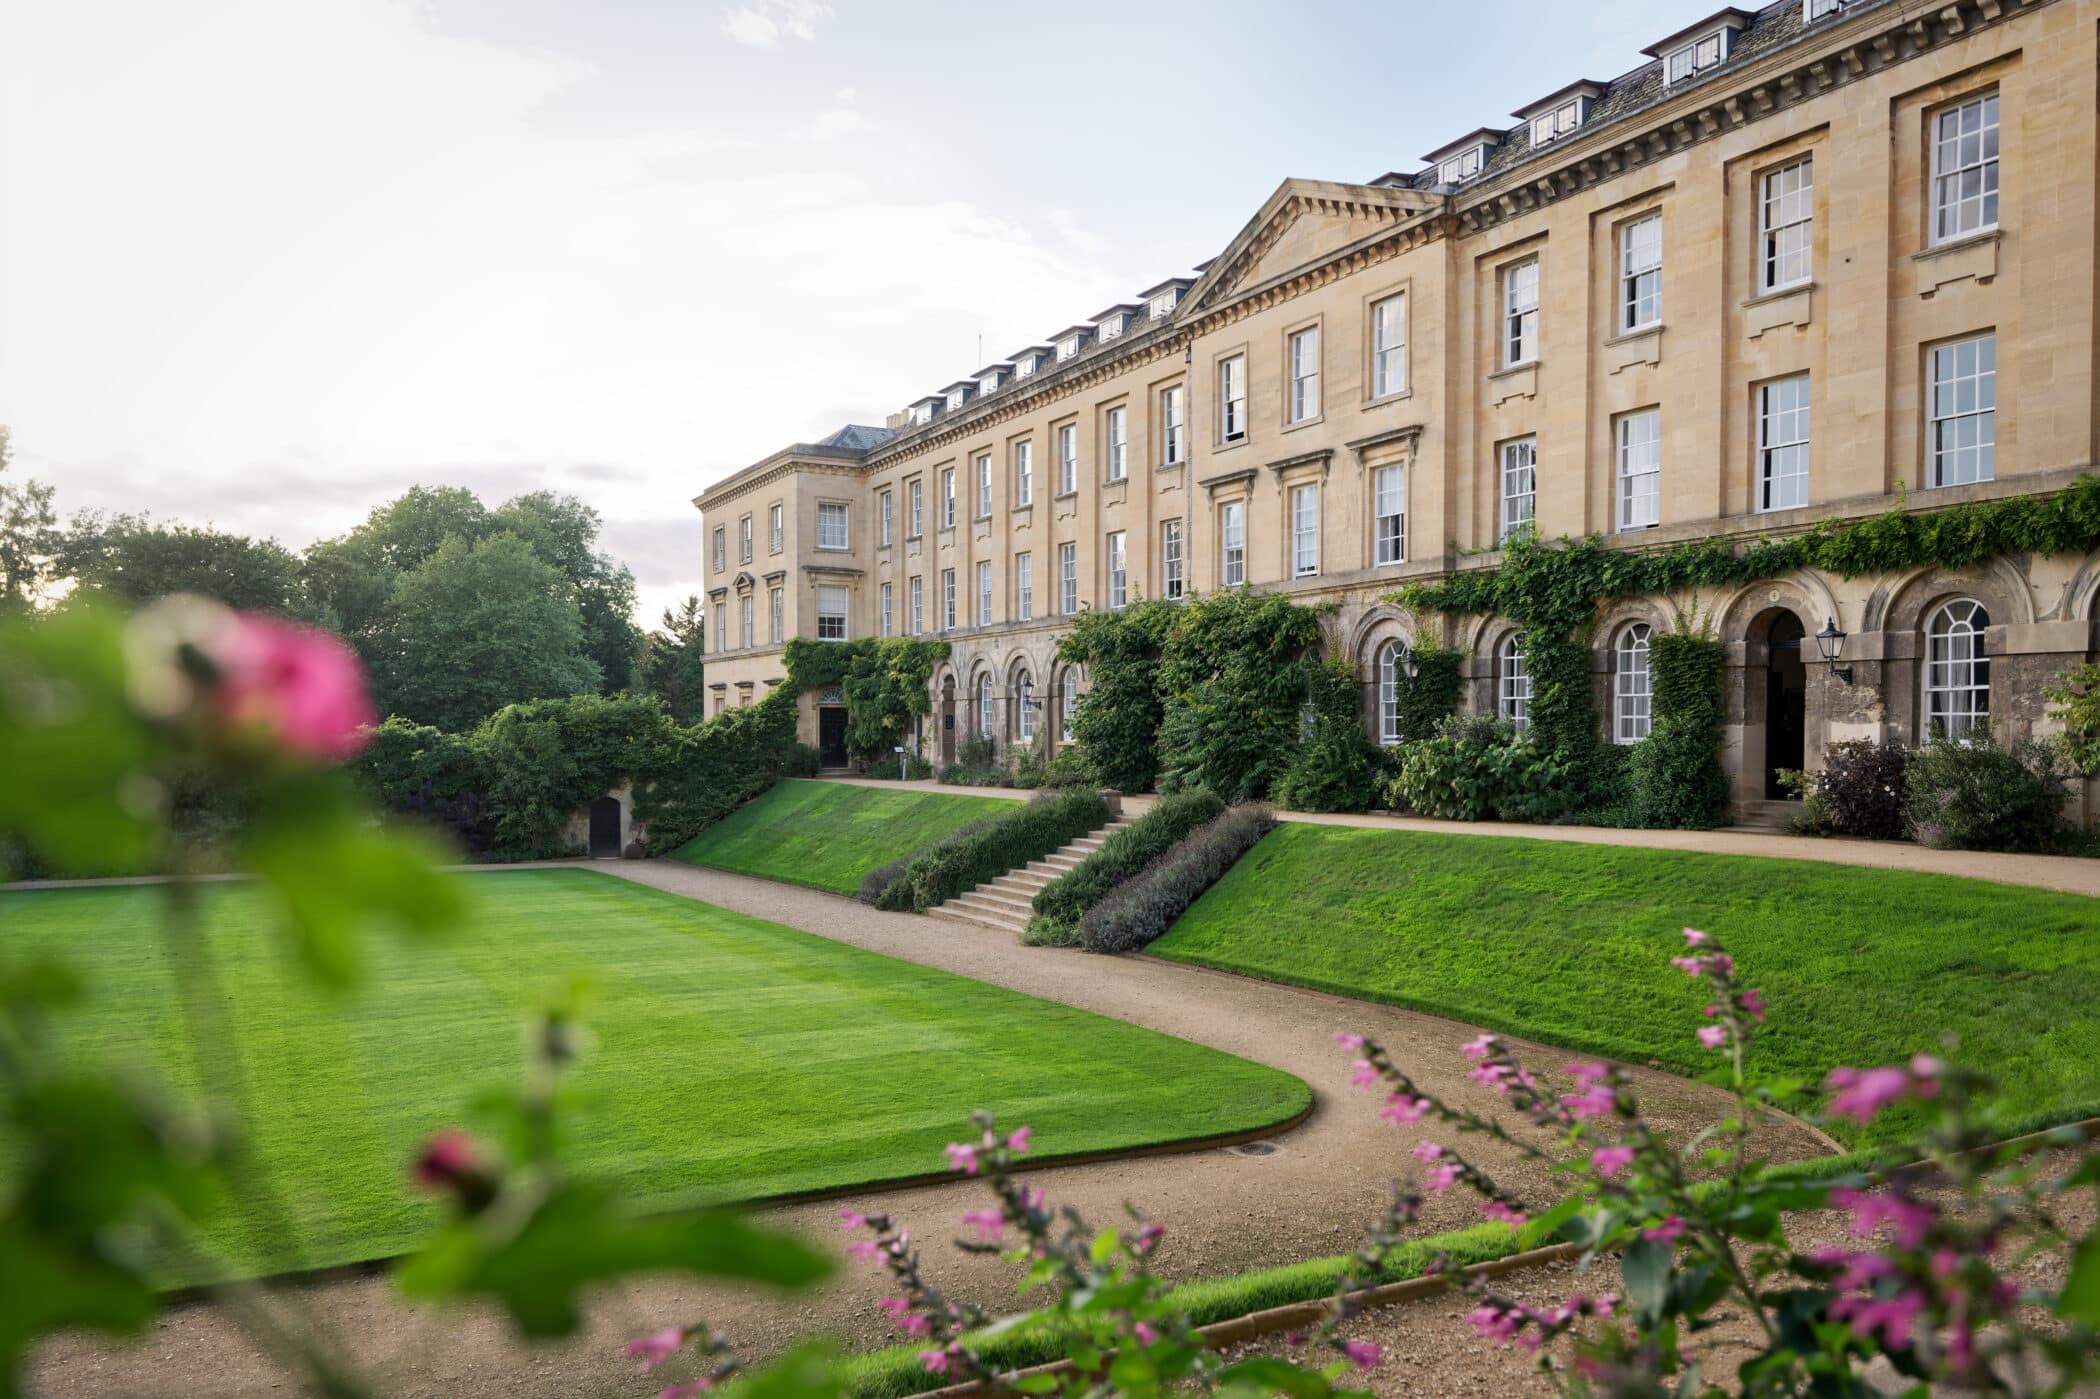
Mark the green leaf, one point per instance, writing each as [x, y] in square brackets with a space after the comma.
[45, 1288]
[535, 1264]
[2080, 1298]
[1646, 1269]
[1034, 1384]
[1104, 1247]
[809, 1371]
[1267, 1375]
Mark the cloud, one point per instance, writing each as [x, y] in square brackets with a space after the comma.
[277, 321]
[764, 23]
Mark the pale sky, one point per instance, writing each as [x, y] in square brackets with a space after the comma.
[265, 263]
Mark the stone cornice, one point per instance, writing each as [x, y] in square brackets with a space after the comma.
[1407, 434]
[1830, 55]
[774, 468]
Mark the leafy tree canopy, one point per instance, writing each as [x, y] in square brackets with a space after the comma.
[138, 559]
[29, 538]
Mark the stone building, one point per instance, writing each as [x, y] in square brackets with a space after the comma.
[1806, 261]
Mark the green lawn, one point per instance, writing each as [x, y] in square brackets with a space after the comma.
[733, 1058]
[827, 835]
[1570, 944]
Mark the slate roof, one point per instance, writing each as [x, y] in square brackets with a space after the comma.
[858, 437]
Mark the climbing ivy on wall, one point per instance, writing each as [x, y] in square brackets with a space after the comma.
[1552, 590]
[885, 681]
[1428, 689]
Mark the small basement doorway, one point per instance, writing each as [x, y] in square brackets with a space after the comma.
[605, 828]
[831, 735]
[1786, 702]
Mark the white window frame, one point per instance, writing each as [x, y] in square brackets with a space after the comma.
[987, 706]
[1965, 168]
[1632, 685]
[918, 605]
[743, 539]
[889, 518]
[1173, 425]
[1518, 463]
[1024, 586]
[1172, 567]
[1389, 515]
[1391, 664]
[776, 529]
[1689, 60]
[1637, 439]
[779, 605]
[1784, 434]
[889, 609]
[1068, 459]
[1024, 707]
[1067, 706]
[747, 622]
[1068, 579]
[947, 599]
[984, 485]
[1513, 683]
[1520, 312]
[1024, 473]
[1118, 442]
[1232, 543]
[832, 625]
[1305, 530]
[948, 498]
[1786, 225]
[1118, 570]
[834, 526]
[721, 549]
[1961, 411]
[1640, 273]
[1303, 357]
[1957, 670]
[916, 512]
[1389, 345]
[984, 592]
[1232, 398]
[722, 625]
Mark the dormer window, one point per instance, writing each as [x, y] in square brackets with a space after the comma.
[1463, 166]
[1558, 122]
[960, 393]
[1703, 46]
[926, 409]
[1559, 113]
[1071, 341]
[1698, 56]
[1819, 8]
[991, 378]
[1028, 361]
[1162, 305]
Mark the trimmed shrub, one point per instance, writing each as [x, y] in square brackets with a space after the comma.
[1071, 768]
[1860, 791]
[981, 851]
[1233, 676]
[716, 767]
[1677, 778]
[976, 764]
[914, 768]
[888, 879]
[1060, 904]
[1143, 907]
[1117, 721]
[1477, 768]
[1973, 796]
[1428, 688]
[1333, 769]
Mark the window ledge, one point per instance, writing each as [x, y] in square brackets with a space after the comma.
[1973, 255]
[1509, 371]
[1643, 346]
[1221, 445]
[1061, 495]
[1517, 381]
[1171, 466]
[834, 548]
[1302, 423]
[1396, 396]
[1795, 305]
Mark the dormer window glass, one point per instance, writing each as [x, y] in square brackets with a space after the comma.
[1819, 8]
[1070, 346]
[1463, 166]
[1112, 327]
[1162, 306]
[957, 398]
[1697, 56]
[1558, 122]
[1024, 366]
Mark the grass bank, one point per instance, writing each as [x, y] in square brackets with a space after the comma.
[1569, 944]
[732, 1059]
[826, 835]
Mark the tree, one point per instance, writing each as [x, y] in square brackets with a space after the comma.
[133, 558]
[563, 531]
[674, 660]
[475, 627]
[29, 538]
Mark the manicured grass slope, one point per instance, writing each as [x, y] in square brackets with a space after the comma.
[1569, 944]
[733, 1058]
[827, 835]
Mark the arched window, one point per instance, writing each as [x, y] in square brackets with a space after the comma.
[1392, 664]
[1513, 685]
[984, 704]
[1630, 708]
[1024, 707]
[1957, 673]
[1067, 705]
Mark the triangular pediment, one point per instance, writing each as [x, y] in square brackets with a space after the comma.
[1302, 224]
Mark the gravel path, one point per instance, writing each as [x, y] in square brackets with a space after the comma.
[1225, 1211]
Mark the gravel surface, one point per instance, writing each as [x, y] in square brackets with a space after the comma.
[1225, 1212]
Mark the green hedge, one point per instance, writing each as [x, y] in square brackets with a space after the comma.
[1332, 769]
[1142, 908]
[715, 767]
[886, 682]
[1677, 778]
[1060, 904]
[981, 852]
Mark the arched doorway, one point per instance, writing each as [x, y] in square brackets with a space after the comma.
[1786, 701]
[947, 721]
[831, 727]
[605, 828]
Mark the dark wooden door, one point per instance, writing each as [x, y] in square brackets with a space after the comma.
[831, 735]
[605, 828]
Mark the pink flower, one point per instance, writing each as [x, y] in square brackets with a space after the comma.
[1693, 937]
[1891, 1316]
[1145, 1334]
[1427, 1151]
[1713, 1036]
[1440, 1179]
[1494, 1323]
[1403, 1111]
[1148, 1237]
[689, 1389]
[1860, 1269]
[937, 1362]
[300, 685]
[658, 1346]
[852, 1219]
[448, 1157]
[1690, 966]
[1479, 1048]
[1908, 1218]
[1608, 1161]
[1363, 1075]
[1364, 1355]
[1861, 1093]
[1593, 1101]
[1667, 1232]
[1018, 1142]
[864, 1250]
[895, 1308]
[988, 1223]
[1496, 1209]
[962, 1158]
[1587, 1074]
[1754, 1003]
[1347, 1040]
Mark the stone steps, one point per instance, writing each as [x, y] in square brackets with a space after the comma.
[1006, 902]
[1762, 817]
